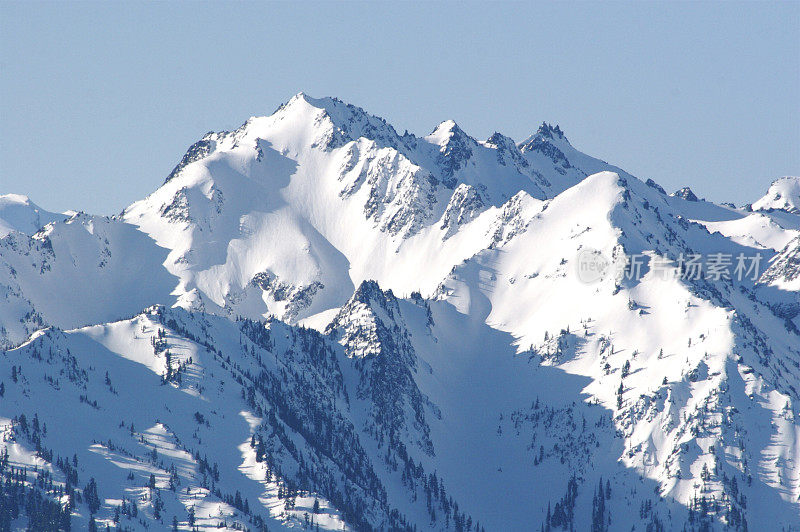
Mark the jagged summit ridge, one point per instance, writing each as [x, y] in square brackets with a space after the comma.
[336, 123]
[550, 132]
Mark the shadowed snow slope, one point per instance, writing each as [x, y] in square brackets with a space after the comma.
[18, 213]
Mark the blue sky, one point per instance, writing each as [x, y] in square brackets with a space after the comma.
[98, 101]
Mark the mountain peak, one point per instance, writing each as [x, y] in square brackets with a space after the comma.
[369, 293]
[324, 103]
[653, 184]
[19, 213]
[15, 198]
[349, 121]
[498, 140]
[368, 304]
[550, 132]
[445, 132]
[455, 149]
[300, 96]
[305, 98]
[546, 135]
[550, 142]
[685, 193]
[783, 195]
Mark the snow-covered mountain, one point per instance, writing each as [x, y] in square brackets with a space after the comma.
[317, 322]
[78, 270]
[783, 195]
[19, 213]
[287, 214]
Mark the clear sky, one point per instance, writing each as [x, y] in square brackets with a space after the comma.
[98, 101]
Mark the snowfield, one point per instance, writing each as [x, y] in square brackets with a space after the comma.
[318, 323]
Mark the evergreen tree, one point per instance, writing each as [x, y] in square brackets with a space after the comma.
[91, 496]
[599, 509]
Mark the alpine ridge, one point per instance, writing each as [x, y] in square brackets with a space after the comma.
[318, 323]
